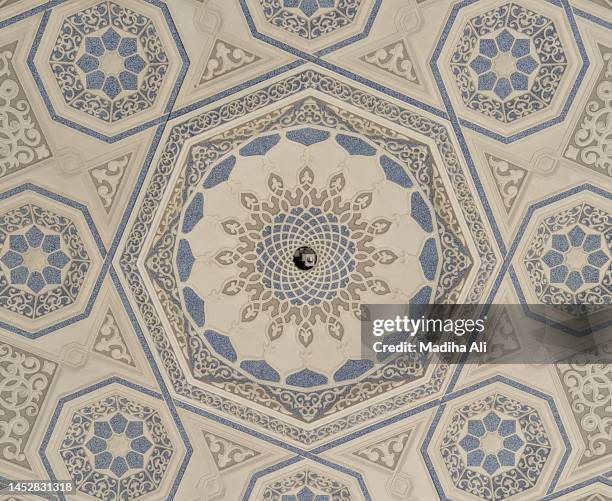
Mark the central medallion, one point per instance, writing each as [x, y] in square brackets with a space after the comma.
[314, 224]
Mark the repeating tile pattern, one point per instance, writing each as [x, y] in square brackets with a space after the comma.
[197, 197]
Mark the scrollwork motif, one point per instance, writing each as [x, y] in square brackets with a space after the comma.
[22, 142]
[24, 382]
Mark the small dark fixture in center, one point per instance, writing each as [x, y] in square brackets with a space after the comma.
[305, 258]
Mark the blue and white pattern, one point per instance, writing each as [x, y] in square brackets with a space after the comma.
[307, 485]
[495, 447]
[197, 197]
[43, 261]
[569, 262]
[508, 62]
[116, 448]
[310, 19]
[302, 256]
[109, 62]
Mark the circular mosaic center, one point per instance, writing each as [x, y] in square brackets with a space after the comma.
[305, 258]
[282, 269]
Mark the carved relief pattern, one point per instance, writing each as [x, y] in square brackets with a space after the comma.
[110, 342]
[587, 382]
[385, 453]
[22, 142]
[24, 383]
[591, 140]
[228, 453]
[395, 59]
[226, 58]
[107, 179]
[509, 179]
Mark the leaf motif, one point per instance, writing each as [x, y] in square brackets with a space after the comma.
[337, 182]
[335, 329]
[362, 201]
[232, 287]
[305, 336]
[249, 312]
[227, 257]
[275, 330]
[378, 286]
[249, 201]
[233, 227]
[275, 183]
[306, 176]
[385, 256]
[379, 226]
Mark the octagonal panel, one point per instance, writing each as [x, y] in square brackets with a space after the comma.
[298, 250]
[566, 258]
[48, 263]
[508, 67]
[494, 444]
[116, 444]
[306, 482]
[107, 66]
